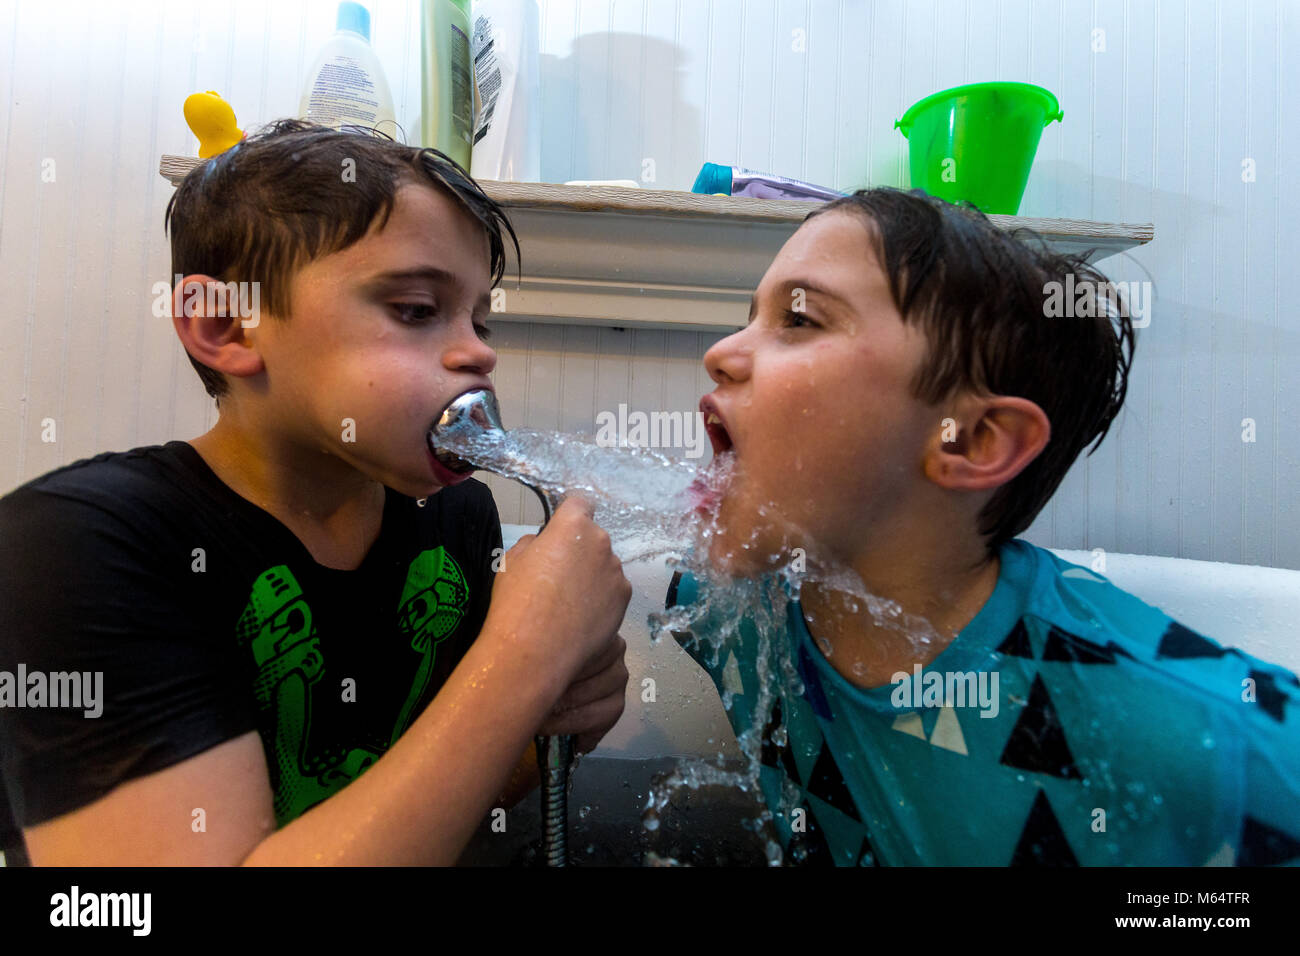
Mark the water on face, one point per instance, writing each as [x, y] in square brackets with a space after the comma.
[647, 503]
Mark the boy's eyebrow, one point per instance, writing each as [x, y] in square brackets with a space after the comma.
[430, 273]
[788, 287]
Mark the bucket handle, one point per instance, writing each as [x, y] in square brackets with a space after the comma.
[1059, 115]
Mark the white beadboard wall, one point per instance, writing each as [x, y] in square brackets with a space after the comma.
[1157, 128]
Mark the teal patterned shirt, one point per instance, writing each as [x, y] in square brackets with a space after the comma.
[1109, 734]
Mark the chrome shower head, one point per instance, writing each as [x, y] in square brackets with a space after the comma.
[470, 415]
[474, 416]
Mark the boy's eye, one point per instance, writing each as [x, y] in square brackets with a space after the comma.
[419, 313]
[414, 313]
[798, 320]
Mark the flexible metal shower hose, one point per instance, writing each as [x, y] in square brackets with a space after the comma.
[554, 755]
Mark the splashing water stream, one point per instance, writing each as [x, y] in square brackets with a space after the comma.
[655, 507]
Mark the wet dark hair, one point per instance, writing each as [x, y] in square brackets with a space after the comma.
[980, 293]
[279, 199]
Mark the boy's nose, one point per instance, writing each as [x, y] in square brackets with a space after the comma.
[729, 360]
[469, 353]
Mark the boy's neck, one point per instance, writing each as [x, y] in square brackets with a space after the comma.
[947, 590]
[336, 513]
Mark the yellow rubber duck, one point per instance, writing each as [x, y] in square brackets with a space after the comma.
[213, 122]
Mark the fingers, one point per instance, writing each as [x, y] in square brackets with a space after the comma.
[522, 545]
[590, 708]
[614, 652]
[589, 722]
[575, 504]
[609, 679]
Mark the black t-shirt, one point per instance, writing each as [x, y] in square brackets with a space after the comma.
[208, 618]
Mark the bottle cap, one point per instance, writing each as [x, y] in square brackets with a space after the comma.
[354, 17]
[713, 178]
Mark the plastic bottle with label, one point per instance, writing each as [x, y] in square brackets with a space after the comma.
[446, 75]
[507, 91]
[346, 85]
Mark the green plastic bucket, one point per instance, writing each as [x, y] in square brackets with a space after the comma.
[977, 142]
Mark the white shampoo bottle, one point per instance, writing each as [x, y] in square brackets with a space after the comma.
[346, 85]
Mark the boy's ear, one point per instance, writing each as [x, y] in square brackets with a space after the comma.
[985, 442]
[212, 328]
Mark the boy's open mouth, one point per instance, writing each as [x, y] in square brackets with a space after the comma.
[447, 468]
[719, 437]
[446, 459]
[708, 490]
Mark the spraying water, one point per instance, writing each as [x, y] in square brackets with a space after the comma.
[643, 499]
[654, 506]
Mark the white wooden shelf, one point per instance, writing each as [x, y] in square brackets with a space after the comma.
[651, 258]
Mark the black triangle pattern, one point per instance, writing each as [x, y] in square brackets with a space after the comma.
[1017, 643]
[1268, 695]
[1064, 646]
[1179, 641]
[671, 600]
[810, 848]
[867, 855]
[827, 783]
[1042, 842]
[1116, 651]
[778, 757]
[1037, 741]
[1263, 845]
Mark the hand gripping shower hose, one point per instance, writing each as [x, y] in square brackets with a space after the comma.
[475, 415]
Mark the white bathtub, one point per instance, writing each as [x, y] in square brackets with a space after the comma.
[1253, 608]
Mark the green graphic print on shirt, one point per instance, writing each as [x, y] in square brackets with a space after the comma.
[277, 626]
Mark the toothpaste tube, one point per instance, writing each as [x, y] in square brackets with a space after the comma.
[738, 181]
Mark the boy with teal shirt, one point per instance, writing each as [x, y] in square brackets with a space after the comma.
[901, 406]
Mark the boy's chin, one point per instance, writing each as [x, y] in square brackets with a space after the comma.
[748, 556]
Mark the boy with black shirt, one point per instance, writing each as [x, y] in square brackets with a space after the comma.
[312, 649]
